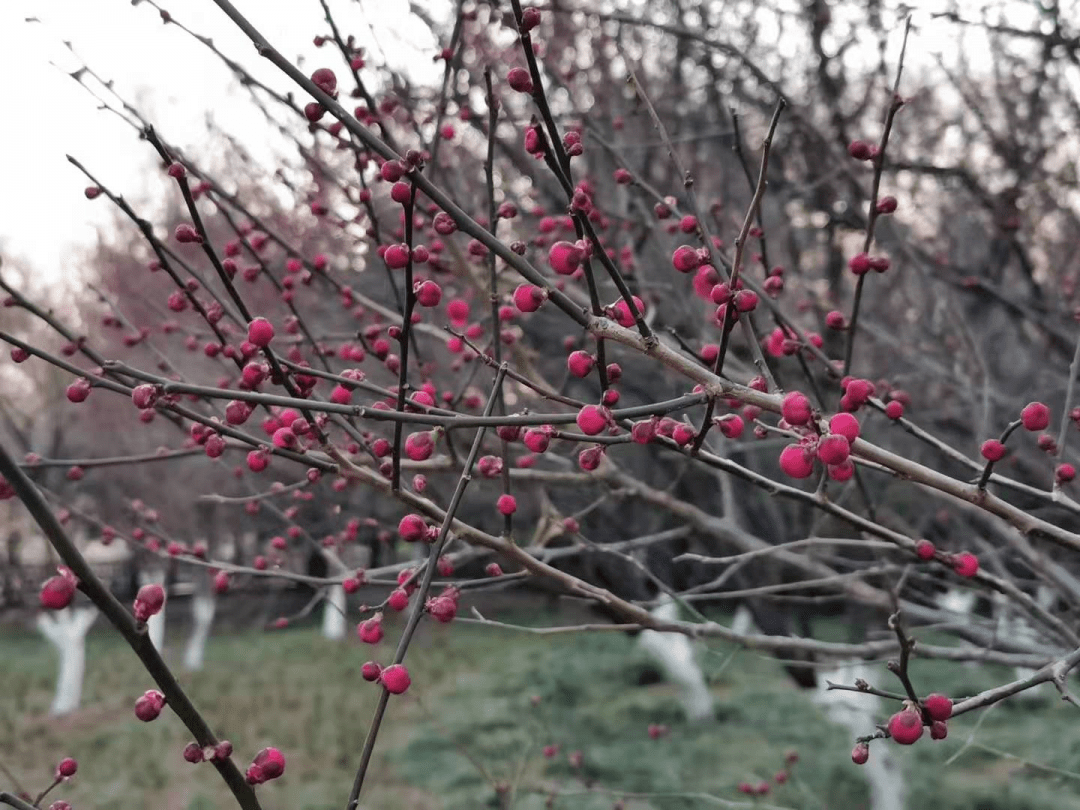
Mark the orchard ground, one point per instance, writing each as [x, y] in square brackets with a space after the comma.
[471, 704]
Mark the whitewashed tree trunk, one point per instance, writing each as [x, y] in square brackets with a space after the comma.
[66, 630]
[203, 605]
[155, 626]
[858, 712]
[675, 654]
[743, 621]
[1012, 625]
[333, 617]
[960, 601]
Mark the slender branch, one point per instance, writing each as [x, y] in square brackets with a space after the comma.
[560, 165]
[988, 469]
[15, 801]
[134, 633]
[493, 290]
[900, 668]
[403, 338]
[736, 267]
[421, 595]
[1070, 384]
[895, 103]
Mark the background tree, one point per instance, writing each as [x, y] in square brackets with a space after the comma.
[565, 292]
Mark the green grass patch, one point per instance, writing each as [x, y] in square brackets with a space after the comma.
[483, 704]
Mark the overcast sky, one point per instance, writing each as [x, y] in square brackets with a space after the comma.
[176, 82]
[44, 217]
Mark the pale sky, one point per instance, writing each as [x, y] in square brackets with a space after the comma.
[172, 79]
[176, 82]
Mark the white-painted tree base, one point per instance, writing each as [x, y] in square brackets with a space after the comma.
[333, 617]
[743, 621]
[859, 713]
[1011, 624]
[958, 600]
[66, 629]
[203, 606]
[675, 654]
[961, 602]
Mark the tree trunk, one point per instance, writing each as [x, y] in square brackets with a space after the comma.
[66, 630]
[333, 624]
[203, 605]
[859, 712]
[675, 653]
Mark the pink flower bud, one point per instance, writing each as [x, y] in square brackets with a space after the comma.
[529, 298]
[57, 592]
[841, 472]
[906, 726]
[833, 449]
[860, 150]
[370, 671]
[149, 601]
[938, 706]
[796, 461]
[149, 706]
[260, 332]
[530, 18]
[859, 264]
[442, 608]
[589, 459]
[685, 259]
[1035, 416]
[565, 257]
[398, 599]
[886, 205]
[925, 550]
[458, 312]
[325, 80]
[395, 678]
[428, 293]
[79, 390]
[66, 768]
[269, 764]
[419, 446]
[731, 425]
[370, 631]
[536, 440]
[580, 363]
[592, 419]
[396, 256]
[186, 234]
[846, 425]
[412, 528]
[519, 80]
[966, 564]
[795, 408]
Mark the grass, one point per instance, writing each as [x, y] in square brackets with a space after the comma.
[483, 704]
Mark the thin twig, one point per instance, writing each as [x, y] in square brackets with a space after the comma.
[421, 595]
[135, 634]
[895, 103]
